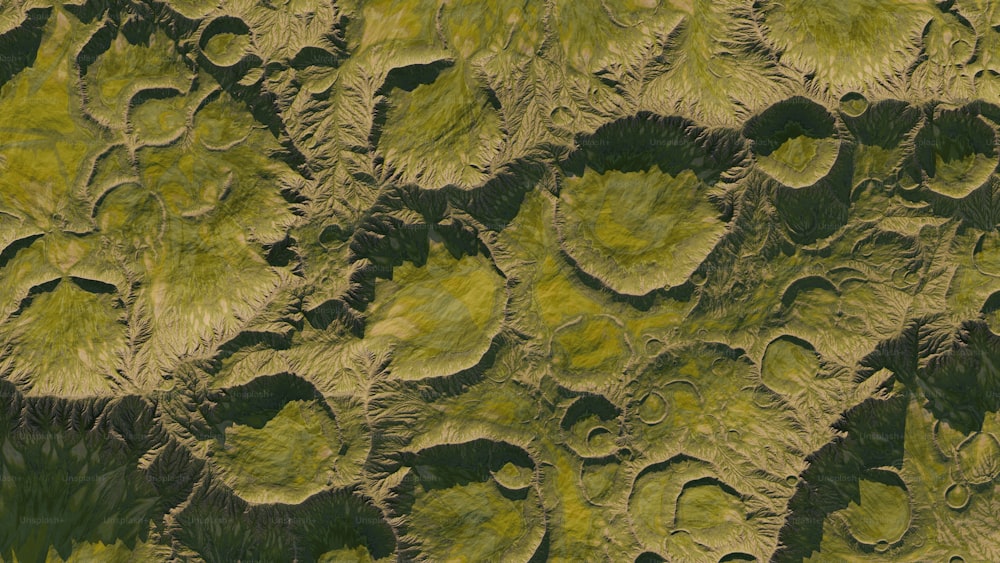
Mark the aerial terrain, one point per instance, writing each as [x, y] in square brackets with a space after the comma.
[497, 280]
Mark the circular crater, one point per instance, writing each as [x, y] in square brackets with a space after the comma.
[789, 365]
[956, 152]
[513, 477]
[684, 493]
[652, 408]
[665, 398]
[277, 439]
[589, 352]
[442, 127]
[853, 104]
[986, 254]
[286, 458]
[957, 496]
[881, 515]
[639, 206]
[794, 141]
[222, 123]
[979, 459]
[598, 478]
[592, 426]
[158, 117]
[468, 502]
[225, 41]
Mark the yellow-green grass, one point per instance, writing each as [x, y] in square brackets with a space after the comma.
[794, 141]
[438, 318]
[843, 43]
[638, 231]
[291, 457]
[441, 132]
[957, 153]
[68, 342]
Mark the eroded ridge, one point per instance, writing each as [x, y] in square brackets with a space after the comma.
[511, 281]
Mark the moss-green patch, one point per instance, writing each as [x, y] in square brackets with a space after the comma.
[708, 508]
[599, 478]
[794, 141]
[882, 514]
[205, 278]
[222, 122]
[440, 317]
[591, 350]
[45, 144]
[125, 68]
[470, 522]
[654, 500]
[67, 342]
[987, 253]
[789, 365]
[514, 477]
[159, 120]
[288, 459]
[189, 180]
[842, 42]
[652, 408]
[193, 9]
[131, 214]
[357, 554]
[226, 49]
[457, 511]
[638, 231]
[494, 25]
[589, 34]
[956, 152]
[979, 459]
[853, 104]
[957, 496]
[437, 133]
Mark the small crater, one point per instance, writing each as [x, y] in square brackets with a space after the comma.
[957, 496]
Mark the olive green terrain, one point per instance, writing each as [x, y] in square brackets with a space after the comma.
[486, 280]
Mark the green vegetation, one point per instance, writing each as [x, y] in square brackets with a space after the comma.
[446, 280]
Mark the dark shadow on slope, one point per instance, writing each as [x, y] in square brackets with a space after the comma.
[886, 124]
[875, 431]
[82, 449]
[255, 403]
[19, 46]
